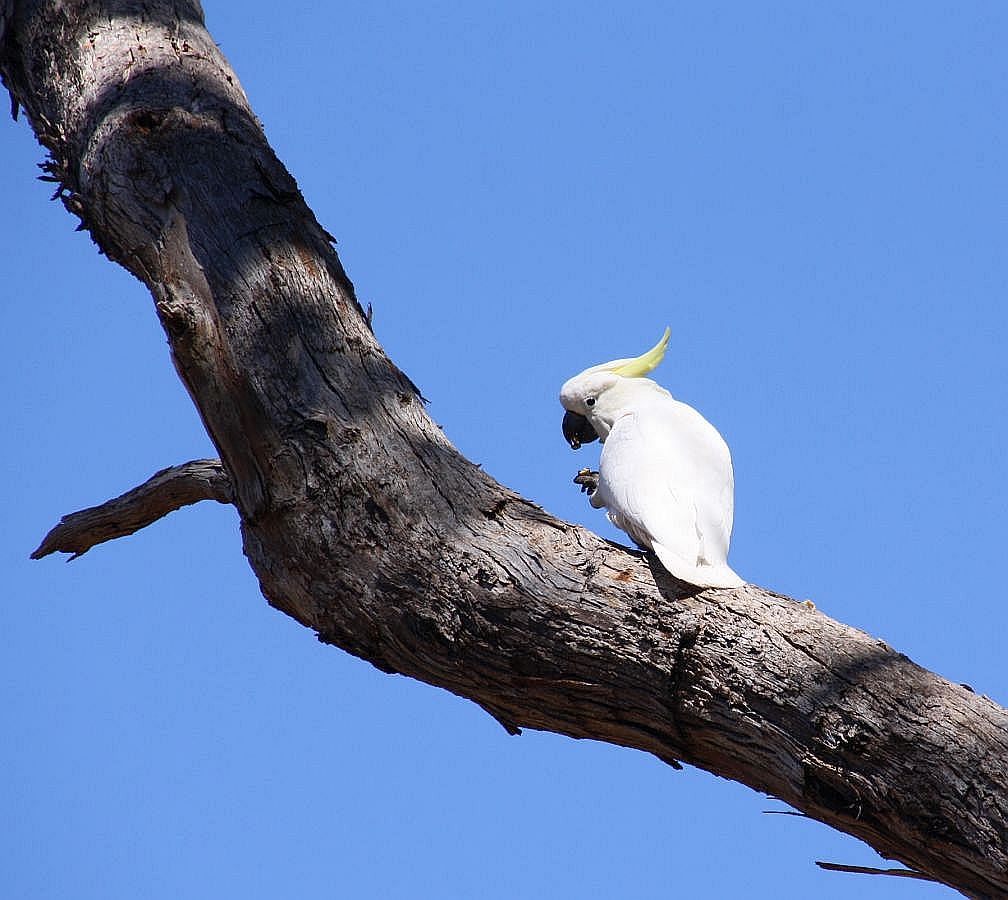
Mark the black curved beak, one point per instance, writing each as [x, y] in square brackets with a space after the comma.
[577, 430]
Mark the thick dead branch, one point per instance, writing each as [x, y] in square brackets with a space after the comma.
[162, 493]
[362, 522]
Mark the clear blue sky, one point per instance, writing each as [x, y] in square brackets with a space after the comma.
[813, 196]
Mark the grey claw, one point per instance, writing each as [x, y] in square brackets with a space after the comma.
[588, 480]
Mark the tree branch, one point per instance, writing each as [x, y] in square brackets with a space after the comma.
[869, 870]
[162, 493]
[362, 522]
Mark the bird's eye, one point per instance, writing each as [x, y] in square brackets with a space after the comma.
[589, 401]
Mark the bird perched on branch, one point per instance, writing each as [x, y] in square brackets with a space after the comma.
[665, 475]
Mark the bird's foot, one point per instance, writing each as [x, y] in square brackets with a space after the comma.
[588, 480]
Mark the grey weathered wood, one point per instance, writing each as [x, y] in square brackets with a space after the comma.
[162, 493]
[362, 522]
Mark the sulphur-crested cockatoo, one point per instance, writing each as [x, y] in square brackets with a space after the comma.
[665, 475]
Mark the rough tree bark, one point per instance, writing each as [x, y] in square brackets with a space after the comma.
[362, 522]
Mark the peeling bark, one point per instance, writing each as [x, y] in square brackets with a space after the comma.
[362, 522]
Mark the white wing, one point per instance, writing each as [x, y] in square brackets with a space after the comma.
[666, 478]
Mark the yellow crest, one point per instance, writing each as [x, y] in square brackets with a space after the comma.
[646, 362]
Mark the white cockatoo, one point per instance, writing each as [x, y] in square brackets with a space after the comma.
[665, 475]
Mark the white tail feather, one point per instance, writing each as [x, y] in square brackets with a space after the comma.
[718, 576]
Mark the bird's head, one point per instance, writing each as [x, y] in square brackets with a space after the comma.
[594, 398]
